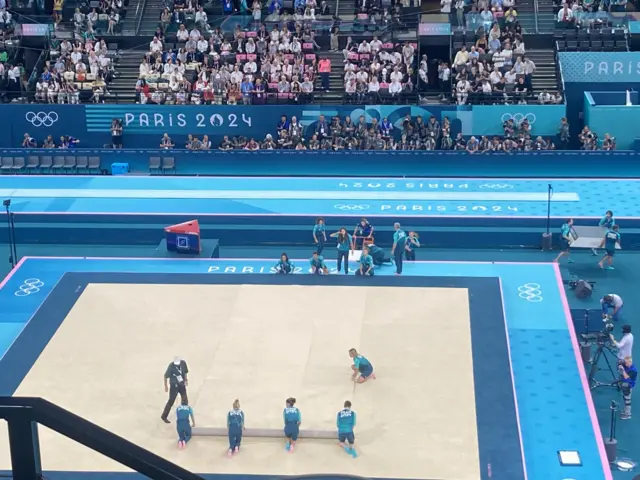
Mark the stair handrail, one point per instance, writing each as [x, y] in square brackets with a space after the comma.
[535, 15]
[24, 413]
[337, 8]
[142, 9]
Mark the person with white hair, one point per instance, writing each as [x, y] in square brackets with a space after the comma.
[175, 382]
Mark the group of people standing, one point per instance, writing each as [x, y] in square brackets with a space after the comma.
[175, 382]
[403, 248]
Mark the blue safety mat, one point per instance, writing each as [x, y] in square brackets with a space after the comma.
[320, 196]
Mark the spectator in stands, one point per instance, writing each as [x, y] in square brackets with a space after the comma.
[324, 68]
[565, 16]
[29, 142]
[166, 143]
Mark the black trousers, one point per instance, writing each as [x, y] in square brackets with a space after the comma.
[397, 256]
[174, 390]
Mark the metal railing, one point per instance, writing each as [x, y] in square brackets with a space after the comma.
[141, 7]
[535, 15]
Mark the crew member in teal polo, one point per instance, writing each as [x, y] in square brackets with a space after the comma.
[345, 244]
[319, 234]
[235, 426]
[317, 264]
[346, 422]
[184, 414]
[284, 265]
[366, 263]
[609, 242]
[566, 237]
[605, 222]
[292, 421]
[399, 242]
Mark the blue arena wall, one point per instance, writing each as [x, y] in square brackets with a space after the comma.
[595, 72]
[145, 124]
[545, 164]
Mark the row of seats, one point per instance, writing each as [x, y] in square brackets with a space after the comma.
[592, 45]
[50, 164]
[162, 165]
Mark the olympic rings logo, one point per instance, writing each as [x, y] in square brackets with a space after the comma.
[496, 186]
[41, 119]
[531, 292]
[352, 208]
[518, 118]
[30, 285]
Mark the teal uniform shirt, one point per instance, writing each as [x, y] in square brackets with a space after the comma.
[282, 266]
[183, 413]
[360, 361]
[410, 245]
[317, 262]
[235, 418]
[346, 420]
[608, 222]
[318, 230]
[345, 246]
[565, 230]
[610, 239]
[399, 238]
[291, 415]
[366, 261]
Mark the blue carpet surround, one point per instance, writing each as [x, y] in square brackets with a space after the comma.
[498, 432]
[250, 211]
[554, 408]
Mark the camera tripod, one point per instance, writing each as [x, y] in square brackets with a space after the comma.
[602, 352]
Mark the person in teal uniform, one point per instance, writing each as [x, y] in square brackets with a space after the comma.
[235, 425]
[184, 421]
[609, 242]
[284, 265]
[399, 243]
[410, 245]
[362, 231]
[317, 264]
[606, 222]
[319, 234]
[362, 368]
[566, 237]
[366, 263]
[292, 421]
[346, 423]
[345, 245]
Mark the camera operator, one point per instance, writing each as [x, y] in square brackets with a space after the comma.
[116, 133]
[625, 345]
[612, 302]
[628, 377]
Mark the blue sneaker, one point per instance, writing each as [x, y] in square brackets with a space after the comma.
[609, 268]
[287, 446]
[353, 453]
[570, 261]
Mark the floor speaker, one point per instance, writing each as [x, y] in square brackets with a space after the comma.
[583, 289]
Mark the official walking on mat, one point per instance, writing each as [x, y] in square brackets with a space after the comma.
[608, 221]
[235, 424]
[362, 368]
[399, 242]
[175, 382]
[284, 265]
[366, 263]
[317, 264]
[410, 246]
[184, 421]
[346, 422]
[292, 421]
[319, 235]
[566, 237]
[345, 245]
[609, 242]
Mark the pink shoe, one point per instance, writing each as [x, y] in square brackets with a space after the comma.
[373, 375]
[230, 453]
[291, 448]
[181, 445]
[236, 451]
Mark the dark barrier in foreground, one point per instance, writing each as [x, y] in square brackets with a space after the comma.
[548, 164]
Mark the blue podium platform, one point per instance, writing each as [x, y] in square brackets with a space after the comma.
[210, 249]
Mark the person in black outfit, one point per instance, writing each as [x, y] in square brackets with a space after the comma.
[175, 382]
